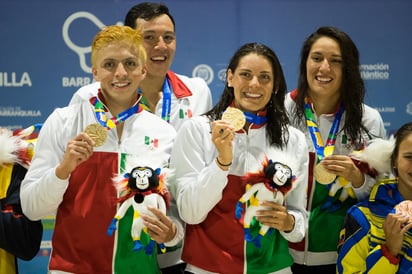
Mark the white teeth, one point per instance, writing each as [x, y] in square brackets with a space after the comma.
[254, 95]
[120, 85]
[159, 58]
[323, 79]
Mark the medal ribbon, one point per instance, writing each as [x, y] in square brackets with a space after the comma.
[101, 117]
[255, 119]
[321, 149]
[167, 101]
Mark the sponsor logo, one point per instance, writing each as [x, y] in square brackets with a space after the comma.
[13, 79]
[203, 71]
[377, 71]
[18, 112]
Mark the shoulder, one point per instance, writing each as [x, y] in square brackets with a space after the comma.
[371, 112]
[154, 121]
[85, 93]
[289, 102]
[195, 126]
[296, 135]
[373, 121]
[193, 83]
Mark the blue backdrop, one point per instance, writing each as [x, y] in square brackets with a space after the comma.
[45, 49]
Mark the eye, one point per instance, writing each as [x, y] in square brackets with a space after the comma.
[135, 174]
[336, 61]
[278, 166]
[246, 75]
[168, 38]
[131, 64]
[287, 172]
[148, 173]
[264, 78]
[317, 58]
[109, 65]
[149, 38]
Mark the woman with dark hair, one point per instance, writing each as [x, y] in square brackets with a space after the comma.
[328, 106]
[213, 156]
[376, 234]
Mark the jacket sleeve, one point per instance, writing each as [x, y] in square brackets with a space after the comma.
[18, 235]
[195, 173]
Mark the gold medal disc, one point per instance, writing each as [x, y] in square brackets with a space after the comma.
[97, 132]
[235, 117]
[322, 176]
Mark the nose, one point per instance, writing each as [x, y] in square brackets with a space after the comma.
[120, 70]
[324, 65]
[254, 82]
[161, 43]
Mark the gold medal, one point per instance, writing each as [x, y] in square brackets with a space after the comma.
[322, 176]
[235, 117]
[97, 132]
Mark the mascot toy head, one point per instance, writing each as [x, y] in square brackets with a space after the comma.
[143, 178]
[279, 176]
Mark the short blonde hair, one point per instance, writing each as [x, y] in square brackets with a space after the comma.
[114, 34]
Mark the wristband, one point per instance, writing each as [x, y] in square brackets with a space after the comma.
[392, 259]
[224, 165]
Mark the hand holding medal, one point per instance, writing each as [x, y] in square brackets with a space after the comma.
[97, 132]
[405, 208]
[322, 176]
[235, 117]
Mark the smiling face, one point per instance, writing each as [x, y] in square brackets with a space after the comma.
[252, 82]
[119, 70]
[159, 41]
[404, 166]
[324, 69]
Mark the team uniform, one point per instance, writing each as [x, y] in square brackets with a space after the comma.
[189, 97]
[86, 202]
[328, 204]
[207, 196]
[362, 235]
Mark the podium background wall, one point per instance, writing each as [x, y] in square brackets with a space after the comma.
[45, 49]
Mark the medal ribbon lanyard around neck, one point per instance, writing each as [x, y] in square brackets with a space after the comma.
[322, 150]
[254, 119]
[101, 117]
[167, 101]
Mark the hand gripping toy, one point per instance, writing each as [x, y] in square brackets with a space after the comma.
[272, 183]
[144, 188]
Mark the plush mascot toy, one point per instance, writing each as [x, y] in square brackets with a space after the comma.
[144, 187]
[271, 183]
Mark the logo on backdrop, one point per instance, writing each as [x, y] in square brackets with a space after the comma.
[81, 51]
[378, 71]
[409, 108]
[204, 71]
[14, 79]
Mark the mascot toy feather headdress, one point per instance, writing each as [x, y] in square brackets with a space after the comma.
[16, 147]
[140, 187]
[377, 155]
[271, 183]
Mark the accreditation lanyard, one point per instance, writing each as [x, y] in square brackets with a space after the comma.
[322, 150]
[100, 112]
[167, 101]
